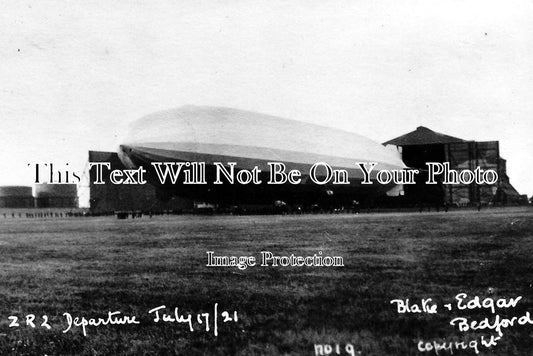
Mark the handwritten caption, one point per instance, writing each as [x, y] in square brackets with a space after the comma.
[204, 321]
[335, 349]
[495, 324]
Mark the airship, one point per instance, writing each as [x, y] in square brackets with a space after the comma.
[220, 136]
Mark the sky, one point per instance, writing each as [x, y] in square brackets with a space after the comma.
[73, 74]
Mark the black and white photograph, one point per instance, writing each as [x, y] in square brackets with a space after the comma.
[233, 177]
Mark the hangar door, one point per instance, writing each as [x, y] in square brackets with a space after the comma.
[470, 155]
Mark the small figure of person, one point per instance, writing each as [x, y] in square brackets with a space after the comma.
[355, 207]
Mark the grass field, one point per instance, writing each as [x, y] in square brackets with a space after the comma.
[89, 266]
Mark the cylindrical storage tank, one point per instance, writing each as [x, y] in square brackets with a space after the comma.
[16, 197]
[56, 196]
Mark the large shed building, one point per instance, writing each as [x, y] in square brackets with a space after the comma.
[108, 197]
[425, 145]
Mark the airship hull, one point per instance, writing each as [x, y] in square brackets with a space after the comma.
[210, 135]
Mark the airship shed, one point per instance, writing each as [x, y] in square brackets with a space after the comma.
[107, 197]
[424, 145]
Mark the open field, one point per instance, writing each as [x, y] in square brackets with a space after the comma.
[89, 266]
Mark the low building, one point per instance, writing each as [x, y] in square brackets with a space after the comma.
[56, 195]
[16, 197]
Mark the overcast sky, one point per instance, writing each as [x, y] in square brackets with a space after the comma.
[72, 74]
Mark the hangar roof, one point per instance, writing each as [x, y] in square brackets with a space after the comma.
[422, 136]
[101, 156]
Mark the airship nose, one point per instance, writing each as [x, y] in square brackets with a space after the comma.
[124, 156]
[124, 149]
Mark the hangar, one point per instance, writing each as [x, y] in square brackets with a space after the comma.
[105, 198]
[424, 145]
